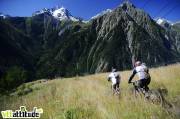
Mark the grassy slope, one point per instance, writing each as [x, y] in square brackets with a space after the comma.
[90, 97]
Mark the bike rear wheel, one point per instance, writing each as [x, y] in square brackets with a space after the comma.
[155, 97]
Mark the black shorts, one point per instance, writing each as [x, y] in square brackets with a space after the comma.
[144, 82]
[115, 86]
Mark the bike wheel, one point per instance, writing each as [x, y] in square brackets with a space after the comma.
[155, 97]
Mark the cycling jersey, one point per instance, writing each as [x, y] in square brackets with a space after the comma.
[142, 72]
[114, 77]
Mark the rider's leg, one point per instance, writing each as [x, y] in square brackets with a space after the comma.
[145, 88]
[140, 84]
[146, 83]
[114, 88]
[117, 87]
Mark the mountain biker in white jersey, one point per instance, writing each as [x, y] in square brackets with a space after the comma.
[143, 73]
[114, 77]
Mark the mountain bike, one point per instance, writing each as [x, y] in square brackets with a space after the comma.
[153, 96]
[115, 91]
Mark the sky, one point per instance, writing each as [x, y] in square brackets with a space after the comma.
[168, 9]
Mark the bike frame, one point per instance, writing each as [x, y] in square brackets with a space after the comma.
[138, 90]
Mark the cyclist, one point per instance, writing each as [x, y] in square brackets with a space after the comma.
[114, 77]
[143, 73]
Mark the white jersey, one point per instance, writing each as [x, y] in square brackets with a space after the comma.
[113, 76]
[142, 71]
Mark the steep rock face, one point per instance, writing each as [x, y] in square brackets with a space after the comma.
[171, 33]
[174, 36]
[128, 34]
[115, 39]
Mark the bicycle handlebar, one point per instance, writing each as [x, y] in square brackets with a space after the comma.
[134, 82]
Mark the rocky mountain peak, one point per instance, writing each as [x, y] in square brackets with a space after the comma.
[127, 5]
[59, 13]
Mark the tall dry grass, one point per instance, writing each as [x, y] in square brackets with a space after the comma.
[90, 97]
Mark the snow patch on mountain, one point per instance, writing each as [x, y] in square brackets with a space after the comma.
[4, 16]
[178, 22]
[84, 21]
[43, 11]
[63, 14]
[162, 21]
[102, 13]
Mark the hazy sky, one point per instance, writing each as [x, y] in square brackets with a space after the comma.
[168, 9]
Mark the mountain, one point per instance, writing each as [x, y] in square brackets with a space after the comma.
[3, 16]
[175, 31]
[172, 31]
[58, 45]
[58, 13]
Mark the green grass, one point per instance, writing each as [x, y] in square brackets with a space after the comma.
[90, 97]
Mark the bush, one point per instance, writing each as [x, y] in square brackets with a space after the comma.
[24, 90]
[13, 78]
[78, 113]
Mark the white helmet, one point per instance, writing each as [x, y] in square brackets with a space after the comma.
[138, 63]
[114, 70]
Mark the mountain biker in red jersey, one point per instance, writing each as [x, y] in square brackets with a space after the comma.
[143, 73]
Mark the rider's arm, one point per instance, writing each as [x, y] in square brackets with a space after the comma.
[147, 70]
[132, 75]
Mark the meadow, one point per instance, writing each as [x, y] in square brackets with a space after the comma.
[90, 97]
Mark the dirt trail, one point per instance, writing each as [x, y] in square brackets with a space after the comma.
[172, 107]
